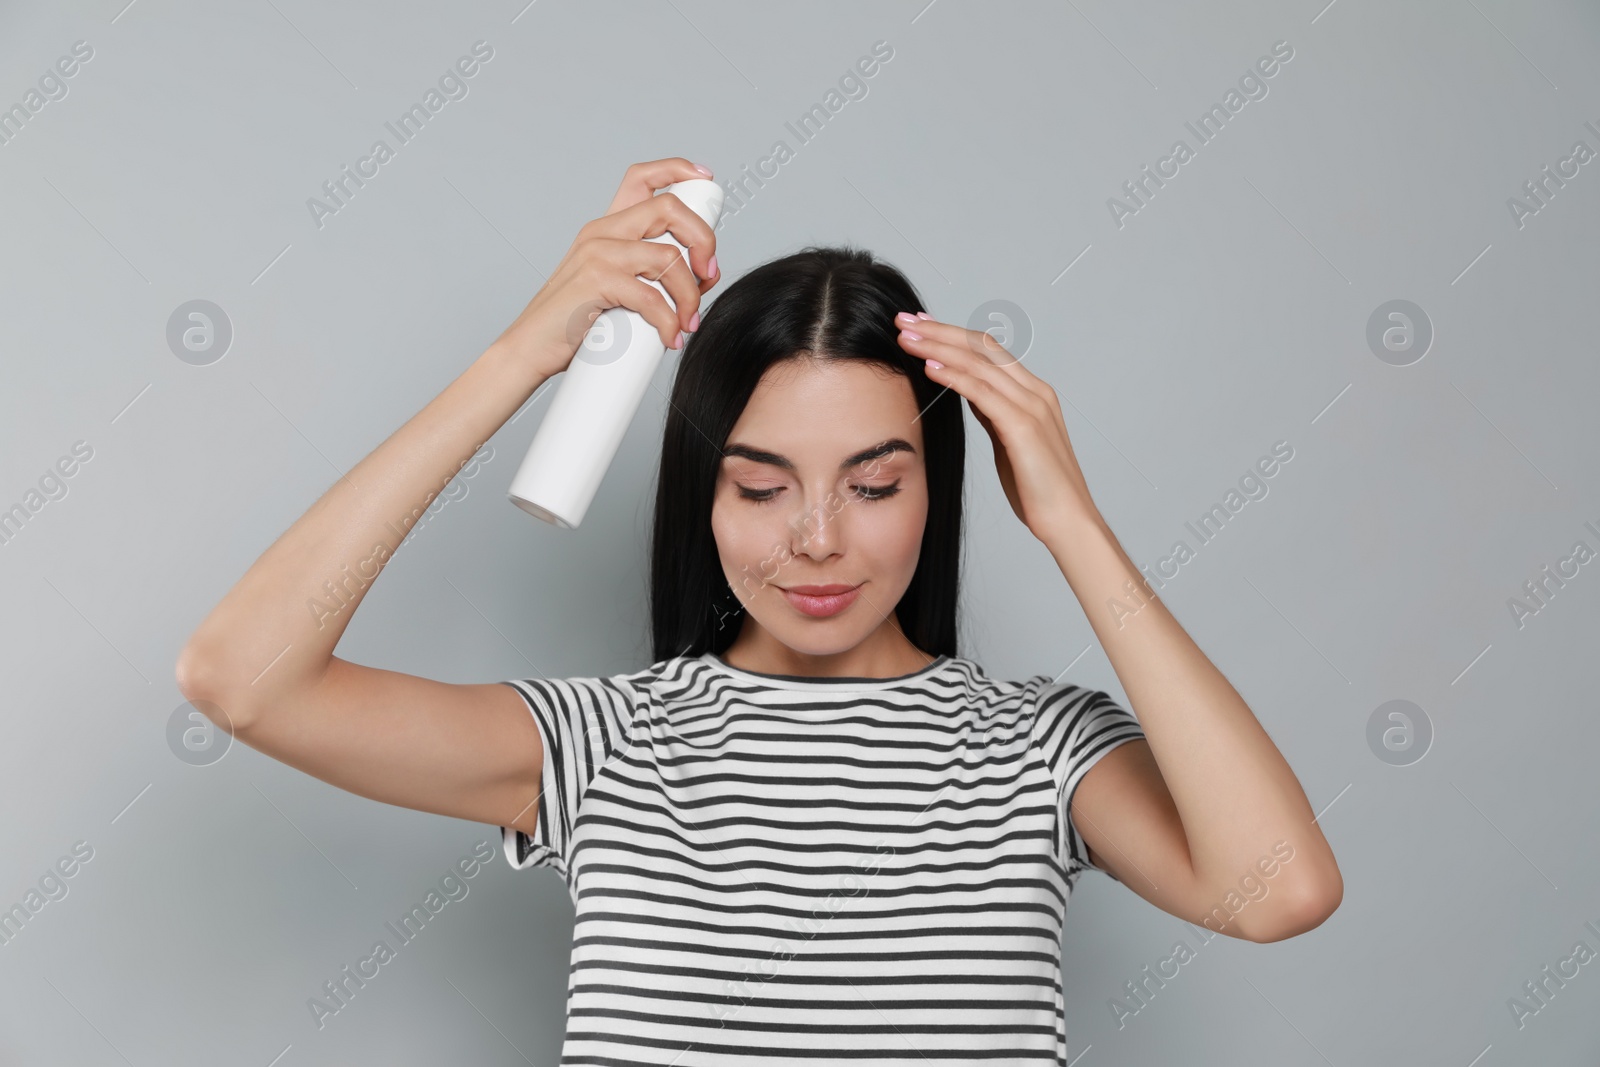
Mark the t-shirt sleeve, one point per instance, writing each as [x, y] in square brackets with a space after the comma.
[584, 724]
[1075, 727]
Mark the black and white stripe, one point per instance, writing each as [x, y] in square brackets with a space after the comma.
[781, 870]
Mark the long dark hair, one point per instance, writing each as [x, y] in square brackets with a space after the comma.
[829, 303]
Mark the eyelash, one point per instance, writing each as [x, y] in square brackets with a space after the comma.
[864, 493]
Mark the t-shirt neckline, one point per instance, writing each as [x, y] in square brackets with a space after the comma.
[805, 681]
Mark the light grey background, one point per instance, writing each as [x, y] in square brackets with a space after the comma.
[1227, 314]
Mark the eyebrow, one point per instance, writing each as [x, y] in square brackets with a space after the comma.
[889, 447]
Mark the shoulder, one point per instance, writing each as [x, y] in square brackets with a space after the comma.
[1074, 724]
[1033, 696]
[625, 692]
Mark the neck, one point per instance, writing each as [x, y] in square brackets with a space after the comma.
[885, 653]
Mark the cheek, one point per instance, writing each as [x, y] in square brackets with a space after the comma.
[726, 530]
[894, 534]
[745, 536]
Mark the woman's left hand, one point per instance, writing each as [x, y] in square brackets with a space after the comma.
[1020, 412]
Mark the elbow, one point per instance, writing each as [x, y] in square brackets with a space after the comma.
[188, 672]
[195, 674]
[1301, 911]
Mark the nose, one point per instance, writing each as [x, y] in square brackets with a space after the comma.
[818, 530]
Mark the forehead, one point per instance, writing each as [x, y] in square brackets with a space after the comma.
[817, 413]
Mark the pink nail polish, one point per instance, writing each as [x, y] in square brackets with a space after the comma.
[712, 266]
[935, 364]
[924, 315]
[694, 322]
[704, 170]
[914, 335]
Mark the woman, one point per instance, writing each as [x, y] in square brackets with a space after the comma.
[810, 825]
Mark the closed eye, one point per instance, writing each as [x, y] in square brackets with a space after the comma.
[866, 493]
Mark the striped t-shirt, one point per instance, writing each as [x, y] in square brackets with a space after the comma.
[772, 869]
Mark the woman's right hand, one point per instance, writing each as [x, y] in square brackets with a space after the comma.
[601, 270]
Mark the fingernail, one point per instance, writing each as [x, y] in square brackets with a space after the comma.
[935, 364]
[923, 315]
[906, 316]
[704, 170]
[914, 335]
[679, 342]
[694, 322]
[712, 266]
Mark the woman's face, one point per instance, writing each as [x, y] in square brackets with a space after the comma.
[823, 484]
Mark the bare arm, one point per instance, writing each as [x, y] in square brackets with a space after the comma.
[1207, 807]
[262, 663]
[1193, 816]
[264, 655]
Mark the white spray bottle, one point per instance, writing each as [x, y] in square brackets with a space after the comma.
[599, 394]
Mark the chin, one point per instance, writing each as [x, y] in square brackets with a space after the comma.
[810, 637]
[815, 643]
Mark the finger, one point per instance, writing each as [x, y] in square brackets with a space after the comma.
[621, 287]
[988, 427]
[643, 179]
[978, 346]
[962, 365]
[668, 268]
[665, 213]
[983, 420]
[707, 283]
[995, 395]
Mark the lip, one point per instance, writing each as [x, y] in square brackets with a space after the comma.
[820, 601]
